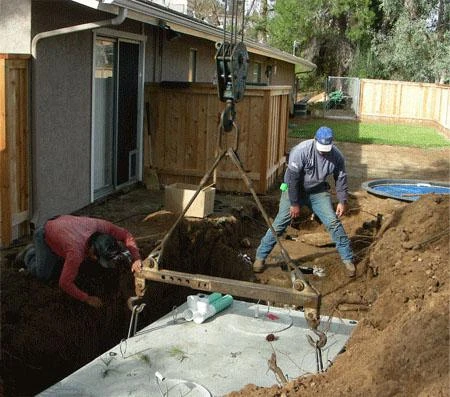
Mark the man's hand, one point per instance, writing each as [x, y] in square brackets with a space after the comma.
[294, 211]
[94, 302]
[340, 209]
[136, 266]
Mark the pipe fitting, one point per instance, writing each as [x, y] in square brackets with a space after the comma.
[201, 306]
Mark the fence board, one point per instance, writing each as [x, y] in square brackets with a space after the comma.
[14, 148]
[4, 163]
[402, 101]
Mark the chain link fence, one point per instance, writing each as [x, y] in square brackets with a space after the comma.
[341, 97]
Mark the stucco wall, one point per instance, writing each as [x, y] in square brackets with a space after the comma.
[15, 26]
[61, 116]
[283, 73]
[61, 125]
[168, 60]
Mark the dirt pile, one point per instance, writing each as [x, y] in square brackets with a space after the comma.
[400, 296]
[401, 344]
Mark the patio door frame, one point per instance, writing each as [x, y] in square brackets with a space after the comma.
[118, 37]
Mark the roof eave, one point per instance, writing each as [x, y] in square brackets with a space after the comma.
[153, 14]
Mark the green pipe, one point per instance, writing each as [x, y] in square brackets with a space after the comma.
[214, 296]
[222, 303]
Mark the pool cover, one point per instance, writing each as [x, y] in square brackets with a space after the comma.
[405, 189]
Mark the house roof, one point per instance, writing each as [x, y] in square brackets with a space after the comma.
[152, 13]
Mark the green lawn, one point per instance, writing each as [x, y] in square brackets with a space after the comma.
[382, 134]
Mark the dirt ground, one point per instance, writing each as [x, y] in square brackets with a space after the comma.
[400, 296]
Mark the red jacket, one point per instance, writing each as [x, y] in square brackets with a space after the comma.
[67, 237]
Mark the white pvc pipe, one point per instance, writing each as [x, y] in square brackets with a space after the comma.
[201, 306]
[214, 307]
[77, 28]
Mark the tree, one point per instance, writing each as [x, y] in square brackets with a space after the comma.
[414, 42]
[327, 32]
[210, 11]
[257, 19]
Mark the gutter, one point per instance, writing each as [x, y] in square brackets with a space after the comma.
[123, 12]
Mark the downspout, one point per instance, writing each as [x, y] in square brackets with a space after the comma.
[76, 28]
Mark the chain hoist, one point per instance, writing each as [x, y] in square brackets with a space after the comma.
[231, 62]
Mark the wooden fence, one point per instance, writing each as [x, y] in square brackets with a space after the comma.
[14, 147]
[182, 135]
[402, 101]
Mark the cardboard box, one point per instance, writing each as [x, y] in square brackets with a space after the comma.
[178, 195]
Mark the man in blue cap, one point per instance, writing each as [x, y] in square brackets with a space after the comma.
[310, 163]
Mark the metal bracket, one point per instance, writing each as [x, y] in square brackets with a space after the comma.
[307, 298]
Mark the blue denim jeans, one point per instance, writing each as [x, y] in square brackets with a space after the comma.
[40, 260]
[320, 204]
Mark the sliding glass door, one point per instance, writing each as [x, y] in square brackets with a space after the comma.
[116, 151]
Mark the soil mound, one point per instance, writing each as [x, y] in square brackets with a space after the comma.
[401, 344]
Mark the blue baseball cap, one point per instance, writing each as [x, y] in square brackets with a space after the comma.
[324, 139]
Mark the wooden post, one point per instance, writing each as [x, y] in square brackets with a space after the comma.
[14, 147]
[5, 213]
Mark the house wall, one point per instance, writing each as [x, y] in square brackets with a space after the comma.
[61, 113]
[168, 60]
[177, 52]
[282, 73]
[15, 26]
[61, 97]
[62, 125]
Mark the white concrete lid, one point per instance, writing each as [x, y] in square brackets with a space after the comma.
[223, 354]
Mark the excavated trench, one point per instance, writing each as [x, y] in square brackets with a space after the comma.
[72, 333]
[221, 245]
[401, 276]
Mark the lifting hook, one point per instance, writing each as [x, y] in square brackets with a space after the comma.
[318, 344]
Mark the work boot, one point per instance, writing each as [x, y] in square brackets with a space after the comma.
[19, 260]
[350, 268]
[258, 265]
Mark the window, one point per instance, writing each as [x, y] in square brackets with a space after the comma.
[192, 77]
[254, 73]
